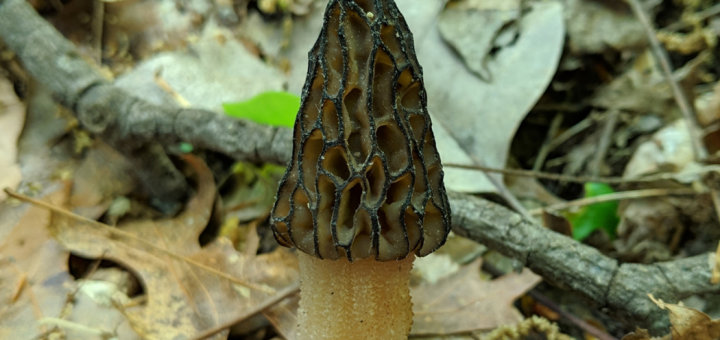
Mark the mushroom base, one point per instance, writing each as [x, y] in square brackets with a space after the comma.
[363, 300]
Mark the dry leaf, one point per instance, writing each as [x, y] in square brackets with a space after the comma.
[12, 119]
[709, 111]
[94, 306]
[34, 278]
[639, 334]
[459, 180]
[103, 175]
[556, 223]
[216, 70]
[464, 303]
[531, 191]
[434, 267]
[686, 324]
[300, 7]
[593, 26]
[643, 88]
[669, 150]
[687, 43]
[647, 229]
[484, 116]
[421, 16]
[283, 316]
[474, 29]
[189, 289]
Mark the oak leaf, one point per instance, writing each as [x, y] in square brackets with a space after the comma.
[463, 302]
[686, 324]
[189, 288]
[34, 277]
[12, 120]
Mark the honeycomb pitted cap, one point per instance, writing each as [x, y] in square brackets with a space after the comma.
[365, 180]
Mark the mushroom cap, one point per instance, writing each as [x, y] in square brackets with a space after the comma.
[365, 180]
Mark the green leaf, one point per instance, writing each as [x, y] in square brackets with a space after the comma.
[272, 108]
[185, 147]
[601, 216]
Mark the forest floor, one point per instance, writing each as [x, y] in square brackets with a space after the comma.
[598, 120]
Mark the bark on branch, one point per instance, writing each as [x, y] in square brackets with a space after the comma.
[136, 127]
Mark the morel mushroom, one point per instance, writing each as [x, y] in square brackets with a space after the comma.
[364, 191]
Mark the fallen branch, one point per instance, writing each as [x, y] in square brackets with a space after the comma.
[573, 266]
[616, 196]
[128, 122]
[111, 112]
[688, 110]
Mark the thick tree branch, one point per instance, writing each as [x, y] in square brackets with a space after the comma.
[570, 265]
[133, 124]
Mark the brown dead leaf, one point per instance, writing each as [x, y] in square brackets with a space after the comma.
[709, 113]
[556, 223]
[474, 42]
[103, 175]
[34, 278]
[484, 116]
[639, 334]
[189, 289]
[283, 316]
[300, 7]
[464, 303]
[12, 119]
[93, 306]
[686, 324]
[669, 150]
[436, 266]
[643, 88]
[593, 26]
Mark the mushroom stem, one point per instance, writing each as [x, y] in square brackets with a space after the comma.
[364, 299]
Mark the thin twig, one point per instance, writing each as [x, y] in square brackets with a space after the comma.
[582, 324]
[165, 86]
[136, 301]
[701, 152]
[618, 196]
[94, 265]
[545, 148]
[19, 287]
[572, 131]
[685, 106]
[715, 278]
[502, 190]
[27, 287]
[119, 232]
[76, 327]
[505, 193]
[586, 327]
[291, 290]
[579, 179]
[98, 20]
[608, 129]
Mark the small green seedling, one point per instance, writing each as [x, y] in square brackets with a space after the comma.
[271, 108]
[185, 147]
[601, 216]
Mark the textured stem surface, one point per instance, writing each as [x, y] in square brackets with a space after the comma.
[362, 300]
